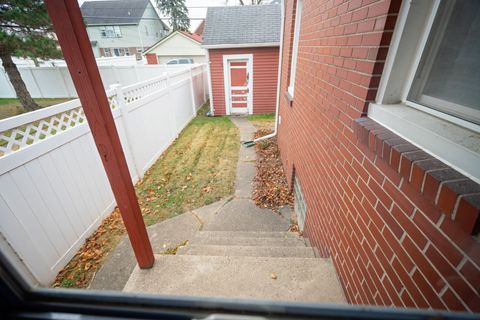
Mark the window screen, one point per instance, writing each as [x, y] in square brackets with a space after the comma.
[448, 76]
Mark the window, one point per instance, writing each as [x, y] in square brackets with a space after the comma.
[107, 52]
[299, 204]
[296, 36]
[110, 32]
[428, 93]
[448, 75]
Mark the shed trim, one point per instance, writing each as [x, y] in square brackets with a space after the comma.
[241, 45]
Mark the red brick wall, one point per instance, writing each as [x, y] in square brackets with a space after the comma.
[265, 75]
[151, 58]
[372, 202]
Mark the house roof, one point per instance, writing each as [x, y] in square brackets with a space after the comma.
[200, 28]
[240, 25]
[191, 36]
[113, 12]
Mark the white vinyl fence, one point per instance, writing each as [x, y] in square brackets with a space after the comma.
[55, 82]
[53, 189]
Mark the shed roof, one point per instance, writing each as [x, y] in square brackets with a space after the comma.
[240, 25]
[113, 12]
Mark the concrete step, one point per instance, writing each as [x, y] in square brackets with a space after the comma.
[245, 241]
[285, 279]
[247, 251]
[246, 234]
[244, 215]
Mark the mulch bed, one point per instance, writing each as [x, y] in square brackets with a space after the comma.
[270, 189]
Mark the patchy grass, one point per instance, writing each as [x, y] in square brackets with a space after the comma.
[197, 169]
[263, 121]
[13, 107]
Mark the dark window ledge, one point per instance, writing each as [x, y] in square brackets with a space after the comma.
[457, 196]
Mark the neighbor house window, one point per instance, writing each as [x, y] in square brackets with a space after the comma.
[110, 32]
[107, 52]
[448, 75]
[296, 36]
[119, 52]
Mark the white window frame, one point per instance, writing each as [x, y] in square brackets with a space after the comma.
[296, 37]
[449, 138]
[115, 32]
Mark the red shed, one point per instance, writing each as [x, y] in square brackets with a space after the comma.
[242, 45]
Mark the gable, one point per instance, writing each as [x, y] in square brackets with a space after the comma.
[177, 44]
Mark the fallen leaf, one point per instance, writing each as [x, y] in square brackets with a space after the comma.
[273, 276]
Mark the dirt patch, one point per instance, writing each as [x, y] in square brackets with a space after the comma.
[270, 188]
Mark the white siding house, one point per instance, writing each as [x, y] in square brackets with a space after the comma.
[178, 44]
[122, 27]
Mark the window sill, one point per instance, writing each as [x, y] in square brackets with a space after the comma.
[455, 145]
[420, 149]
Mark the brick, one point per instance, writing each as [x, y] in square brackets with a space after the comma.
[450, 191]
[431, 296]
[386, 216]
[434, 178]
[468, 295]
[420, 167]
[453, 255]
[408, 158]
[452, 302]
[411, 288]
[467, 214]
[472, 274]
[397, 152]
[412, 230]
[400, 200]
[424, 265]
[360, 14]
[463, 240]
[382, 196]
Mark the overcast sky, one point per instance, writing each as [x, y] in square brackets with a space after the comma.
[197, 9]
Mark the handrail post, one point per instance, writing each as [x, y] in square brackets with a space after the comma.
[72, 36]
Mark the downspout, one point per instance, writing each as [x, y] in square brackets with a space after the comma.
[209, 80]
[277, 105]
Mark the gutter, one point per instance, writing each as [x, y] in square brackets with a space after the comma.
[277, 105]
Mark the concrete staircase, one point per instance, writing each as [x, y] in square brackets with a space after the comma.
[238, 251]
[271, 265]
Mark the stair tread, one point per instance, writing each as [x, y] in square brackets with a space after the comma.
[246, 241]
[246, 251]
[285, 279]
[248, 234]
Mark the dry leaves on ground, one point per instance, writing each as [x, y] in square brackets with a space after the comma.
[270, 185]
[80, 270]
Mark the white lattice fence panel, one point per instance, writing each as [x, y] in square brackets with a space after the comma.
[42, 125]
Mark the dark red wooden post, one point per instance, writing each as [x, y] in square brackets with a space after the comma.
[72, 36]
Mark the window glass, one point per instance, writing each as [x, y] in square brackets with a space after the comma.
[172, 62]
[110, 32]
[448, 77]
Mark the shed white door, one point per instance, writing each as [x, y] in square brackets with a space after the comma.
[238, 83]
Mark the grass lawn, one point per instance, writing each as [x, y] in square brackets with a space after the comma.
[10, 107]
[263, 121]
[197, 169]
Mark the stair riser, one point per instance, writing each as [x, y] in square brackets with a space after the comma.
[247, 234]
[244, 251]
[259, 242]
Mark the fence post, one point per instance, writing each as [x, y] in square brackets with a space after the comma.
[35, 82]
[173, 125]
[204, 83]
[192, 93]
[122, 105]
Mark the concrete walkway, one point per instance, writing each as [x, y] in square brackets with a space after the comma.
[234, 250]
